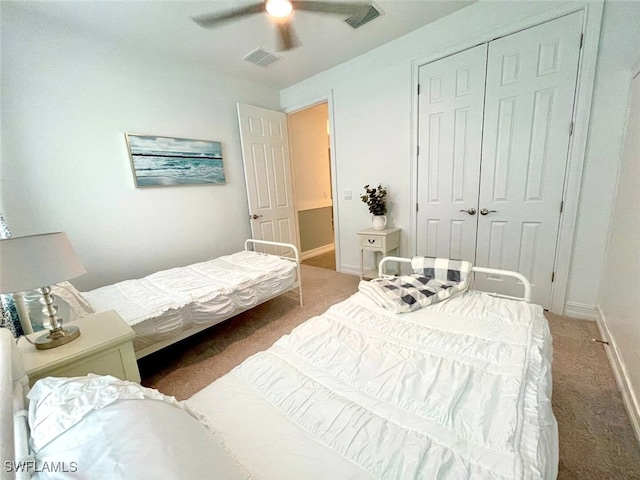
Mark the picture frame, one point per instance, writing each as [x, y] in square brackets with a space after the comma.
[168, 161]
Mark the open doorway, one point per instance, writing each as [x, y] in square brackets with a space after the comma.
[309, 146]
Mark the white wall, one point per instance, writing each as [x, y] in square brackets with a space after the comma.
[373, 120]
[67, 100]
[619, 49]
[619, 298]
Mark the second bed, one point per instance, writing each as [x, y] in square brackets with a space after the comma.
[170, 305]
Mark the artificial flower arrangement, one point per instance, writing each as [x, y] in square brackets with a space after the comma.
[375, 198]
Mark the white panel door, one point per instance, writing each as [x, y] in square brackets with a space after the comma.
[267, 168]
[451, 106]
[531, 81]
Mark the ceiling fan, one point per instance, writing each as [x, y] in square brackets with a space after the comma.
[280, 12]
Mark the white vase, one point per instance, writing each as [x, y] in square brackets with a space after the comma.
[378, 222]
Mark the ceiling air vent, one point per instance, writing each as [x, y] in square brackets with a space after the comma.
[261, 57]
[365, 16]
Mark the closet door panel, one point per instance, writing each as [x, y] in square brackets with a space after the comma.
[451, 106]
[531, 79]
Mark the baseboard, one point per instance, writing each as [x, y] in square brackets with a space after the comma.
[317, 251]
[620, 371]
[580, 310]
[350, 269]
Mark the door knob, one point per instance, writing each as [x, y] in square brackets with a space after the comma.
[471, 211]
[255, 217]
[484, 211]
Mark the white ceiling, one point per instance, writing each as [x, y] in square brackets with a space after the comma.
[165, 27]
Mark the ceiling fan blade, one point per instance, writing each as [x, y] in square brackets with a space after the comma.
[341, 8]
[286, 36]
[213, 19]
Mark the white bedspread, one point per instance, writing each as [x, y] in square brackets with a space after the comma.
[216, 286]
[457, 390]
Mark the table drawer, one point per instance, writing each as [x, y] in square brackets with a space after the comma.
[373, 241]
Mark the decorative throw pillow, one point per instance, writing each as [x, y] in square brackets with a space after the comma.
[442, 269]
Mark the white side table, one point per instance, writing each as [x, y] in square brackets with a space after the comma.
[377, 241]
[104, 347]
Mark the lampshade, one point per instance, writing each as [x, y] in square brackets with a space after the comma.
[36, 261]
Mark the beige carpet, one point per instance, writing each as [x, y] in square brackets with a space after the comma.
[183, 369]
[596, 438]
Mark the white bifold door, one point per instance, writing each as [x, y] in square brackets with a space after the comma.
[494, 129]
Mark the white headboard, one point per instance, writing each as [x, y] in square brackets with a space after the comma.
[14, 385]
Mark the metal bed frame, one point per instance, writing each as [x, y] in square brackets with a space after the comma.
[495, 271]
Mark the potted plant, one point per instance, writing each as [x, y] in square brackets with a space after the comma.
[376, 200]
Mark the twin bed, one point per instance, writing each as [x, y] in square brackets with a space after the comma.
[457, 387]
[170, 305]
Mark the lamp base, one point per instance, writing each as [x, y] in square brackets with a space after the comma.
[57, 337]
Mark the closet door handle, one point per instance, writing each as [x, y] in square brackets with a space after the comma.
[471, 211]
[255, 217]
[484, 211]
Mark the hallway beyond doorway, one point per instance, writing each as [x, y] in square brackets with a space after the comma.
[325, 260]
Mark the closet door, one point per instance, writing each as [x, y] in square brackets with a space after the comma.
[531, 81]
[451, 106]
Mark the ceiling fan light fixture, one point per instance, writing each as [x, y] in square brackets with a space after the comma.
[279, 8]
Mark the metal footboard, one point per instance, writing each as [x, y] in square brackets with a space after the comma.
[295, 258]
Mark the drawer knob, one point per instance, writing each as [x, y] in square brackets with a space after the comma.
[371, 240]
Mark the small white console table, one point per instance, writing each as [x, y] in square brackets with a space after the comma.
[377, 241]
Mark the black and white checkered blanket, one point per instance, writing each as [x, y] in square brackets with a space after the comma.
[433, 280]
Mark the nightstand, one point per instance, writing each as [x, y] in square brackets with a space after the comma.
[377, 241]
[104, 347]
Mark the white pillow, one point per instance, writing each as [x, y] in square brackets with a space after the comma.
[70, 302]
[102, 427]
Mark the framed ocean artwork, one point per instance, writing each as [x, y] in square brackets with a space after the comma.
[163, 161]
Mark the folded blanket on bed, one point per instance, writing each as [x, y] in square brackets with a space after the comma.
[433, 280]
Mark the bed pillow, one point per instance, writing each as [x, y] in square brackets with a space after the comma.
[70, 302]
[103, 427]
[443, 270]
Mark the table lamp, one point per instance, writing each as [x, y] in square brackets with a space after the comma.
[37, 262]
